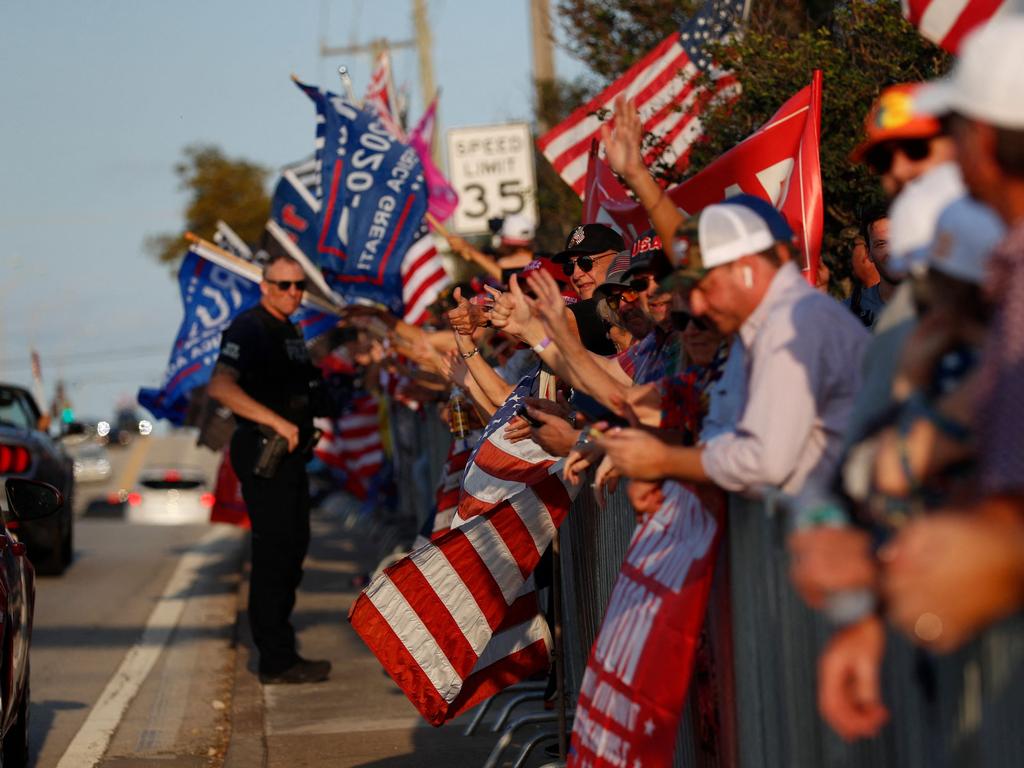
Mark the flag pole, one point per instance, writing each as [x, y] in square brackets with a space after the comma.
[346, 84]
[437, 225]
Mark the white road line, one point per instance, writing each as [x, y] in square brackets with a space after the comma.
[93, 738]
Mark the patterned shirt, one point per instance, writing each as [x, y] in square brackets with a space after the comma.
[1000, 416]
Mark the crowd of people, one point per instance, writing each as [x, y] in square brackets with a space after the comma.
[886, 424]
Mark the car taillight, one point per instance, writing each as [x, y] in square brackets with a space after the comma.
[171, 476]
[134, 499]
[14, 459]
[207, 499]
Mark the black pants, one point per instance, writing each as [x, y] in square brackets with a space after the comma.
[279, 512]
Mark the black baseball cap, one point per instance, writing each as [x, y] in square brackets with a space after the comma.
[590, 239]
[648, 256]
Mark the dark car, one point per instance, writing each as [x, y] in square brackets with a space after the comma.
[28, 501]
[28, 451]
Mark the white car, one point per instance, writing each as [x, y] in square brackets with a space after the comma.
[91, 463]
[169, 497]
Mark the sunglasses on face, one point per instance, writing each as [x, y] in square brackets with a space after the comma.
[285, 285]
[614, 299]
[585, 263]
[680, 320]
[641, 283]
[879, 159]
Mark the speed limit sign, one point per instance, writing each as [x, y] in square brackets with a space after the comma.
[491, 167]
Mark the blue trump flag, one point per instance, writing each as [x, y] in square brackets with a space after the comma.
[295, 206]
[374, 201]
[213, 296]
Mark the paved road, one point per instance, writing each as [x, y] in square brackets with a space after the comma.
[141, 623]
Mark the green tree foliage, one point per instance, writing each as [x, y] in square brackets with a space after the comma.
[860, 45]
[219, 187]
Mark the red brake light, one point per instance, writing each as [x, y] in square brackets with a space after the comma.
[207, 499]
[134, 499]
[14, 459]
[172, 476]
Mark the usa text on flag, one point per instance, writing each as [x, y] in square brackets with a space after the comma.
[665, 85]
[947, 22]
[779, 162]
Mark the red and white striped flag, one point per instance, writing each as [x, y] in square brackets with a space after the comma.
[352, 443]
[665, 85]
[947, 22]
[423, 277]
[457, 620]
[380, 96]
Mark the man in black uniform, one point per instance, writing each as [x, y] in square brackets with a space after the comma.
[264, 375]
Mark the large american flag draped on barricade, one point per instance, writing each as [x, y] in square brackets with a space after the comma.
[372, 241]
[947, 22]
[667, 87]
[779, 162]
[457, 620]
[640, 665]
[215, 288]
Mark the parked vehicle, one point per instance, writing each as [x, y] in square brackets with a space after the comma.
[28, 502]
[28, 451]
[172, 496]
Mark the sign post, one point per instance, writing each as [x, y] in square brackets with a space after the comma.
[491, 168]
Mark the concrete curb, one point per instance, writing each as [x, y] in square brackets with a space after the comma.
[247, 746]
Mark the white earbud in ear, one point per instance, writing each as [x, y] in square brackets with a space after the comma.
[748, 276]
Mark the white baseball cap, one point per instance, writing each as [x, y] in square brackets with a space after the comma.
[965, 236]
[727, 232]
[516, 229]
[915, 211]
[988, 78]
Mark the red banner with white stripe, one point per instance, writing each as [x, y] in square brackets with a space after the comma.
[640, 665]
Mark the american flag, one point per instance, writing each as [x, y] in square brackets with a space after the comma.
[380, 95]
[947, 22]
[352, 443]
[665, 86]
[458, 620]
[498, 468]
[446, 495]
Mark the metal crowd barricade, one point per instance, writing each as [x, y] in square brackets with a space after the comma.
[959, 710]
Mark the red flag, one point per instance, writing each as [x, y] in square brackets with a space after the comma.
[779, 162]
[228, 504]
[947, 22]
[635, 685]
[352, 443]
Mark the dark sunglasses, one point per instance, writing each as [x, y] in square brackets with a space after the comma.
[879, 158]
[682, 319]
[641, 284]
[285, 285]
[585, 263]
[614, 299]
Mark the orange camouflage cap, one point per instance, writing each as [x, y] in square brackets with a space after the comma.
[894, 116]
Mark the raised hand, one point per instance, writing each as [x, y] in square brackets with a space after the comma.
[548, 306]
[466, 317]
[511, 312]
[623, 141]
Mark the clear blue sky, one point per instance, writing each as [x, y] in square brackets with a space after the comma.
[97, 101]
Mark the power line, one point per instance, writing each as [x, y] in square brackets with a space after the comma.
[95, 356]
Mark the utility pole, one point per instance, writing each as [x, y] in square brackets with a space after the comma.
[422, 43]
[543, 56]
